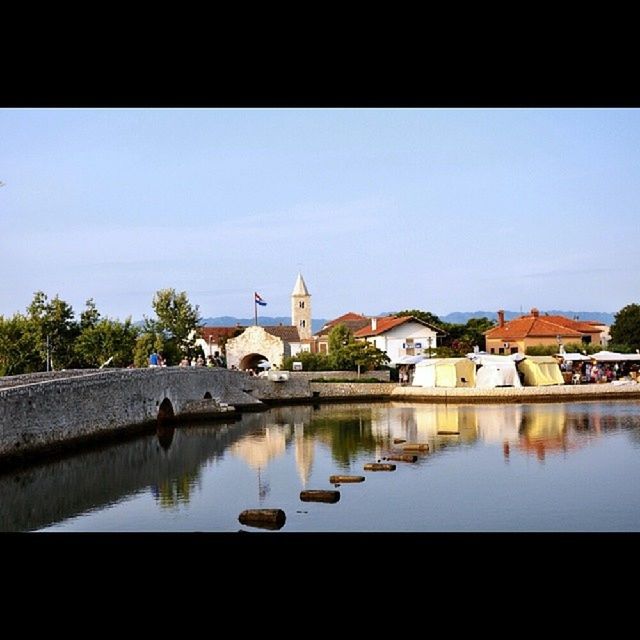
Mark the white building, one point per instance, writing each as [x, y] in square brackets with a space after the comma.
[400, 336]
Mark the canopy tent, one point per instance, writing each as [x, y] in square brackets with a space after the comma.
[612, 356]
[409, 359]
[540, 371]
[445, 372]
[496, 371]
[573, 357]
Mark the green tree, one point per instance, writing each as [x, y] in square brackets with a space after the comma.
[460, 339]
[19, 347]
[179, 322]
[348, 354]
[338, 337]
[541, 350]
[357, 355]
[107, 339]
[310, 361]
[90, 316]
[625, 330]
[55, 329]
[580, 347]
[475, 330]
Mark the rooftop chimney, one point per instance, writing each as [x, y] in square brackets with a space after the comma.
[534, 312]
[374, 324]
[501, 318]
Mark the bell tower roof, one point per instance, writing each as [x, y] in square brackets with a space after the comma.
[300, 288]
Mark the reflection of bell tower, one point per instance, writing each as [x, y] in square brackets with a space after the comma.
[301, 308]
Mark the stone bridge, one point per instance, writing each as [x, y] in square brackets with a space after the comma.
[43, 411]
[46, 412]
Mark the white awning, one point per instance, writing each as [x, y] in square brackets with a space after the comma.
[573, 357]
[612, 356]
[409, 359]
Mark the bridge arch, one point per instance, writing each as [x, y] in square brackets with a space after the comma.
[166, 414]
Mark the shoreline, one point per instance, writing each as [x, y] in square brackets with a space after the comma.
[551, 393]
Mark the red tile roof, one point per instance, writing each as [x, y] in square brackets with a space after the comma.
[288, 333]
[219, 332]
[536, 326]
[353, 322]
[385, 323]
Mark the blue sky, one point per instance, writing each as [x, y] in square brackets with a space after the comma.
[380, 209]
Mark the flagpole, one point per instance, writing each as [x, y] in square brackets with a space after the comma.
[255, 309]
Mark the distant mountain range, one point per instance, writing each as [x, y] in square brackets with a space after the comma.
[457, 317]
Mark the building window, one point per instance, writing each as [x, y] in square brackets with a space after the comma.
[303, 323]
[500, 350]
[301, 304]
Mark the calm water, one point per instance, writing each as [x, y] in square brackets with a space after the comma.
[530, 467]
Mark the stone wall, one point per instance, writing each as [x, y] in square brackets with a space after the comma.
[359, 390]
[383, 375]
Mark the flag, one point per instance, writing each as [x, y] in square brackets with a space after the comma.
[259, 300]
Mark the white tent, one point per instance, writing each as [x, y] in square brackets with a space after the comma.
[496, 371]
[573, 357]
[612, 356]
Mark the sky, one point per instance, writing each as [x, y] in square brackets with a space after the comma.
[380, 209]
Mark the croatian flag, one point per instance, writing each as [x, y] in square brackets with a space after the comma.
[259, 300]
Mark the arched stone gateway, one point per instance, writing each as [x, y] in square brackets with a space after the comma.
[256, 344]
[252, 361]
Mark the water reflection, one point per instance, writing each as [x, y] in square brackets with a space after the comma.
[172, 492]
[169, 465]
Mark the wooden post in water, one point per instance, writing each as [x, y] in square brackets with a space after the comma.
[344, 479]
[264, 518]
[415, 446]
[379, 466]
[319, 495]
[402, 457]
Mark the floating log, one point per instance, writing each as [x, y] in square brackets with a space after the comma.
[398, 440]
[402, 457]
[264, 518]
[379, 466]
[416, 446]
[319, 495]
[448, 433]
[341, 479]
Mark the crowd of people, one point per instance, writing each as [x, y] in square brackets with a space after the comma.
[588, 372]
[157, 360]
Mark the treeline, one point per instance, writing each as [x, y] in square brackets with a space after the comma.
[49, 337]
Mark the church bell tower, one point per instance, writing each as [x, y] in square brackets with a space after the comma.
[301, 308]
